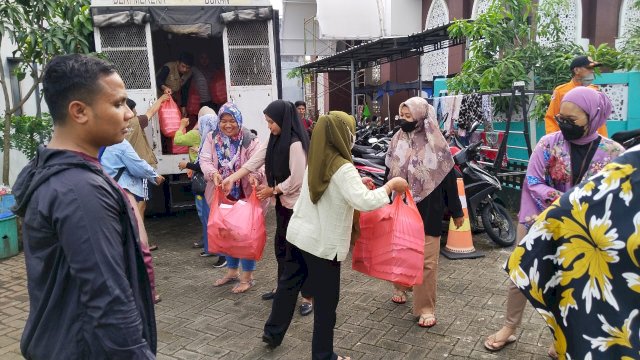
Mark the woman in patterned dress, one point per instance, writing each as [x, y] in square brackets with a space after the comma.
[579, 268]
[560, 161]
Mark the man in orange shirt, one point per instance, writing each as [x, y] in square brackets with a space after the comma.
[583, 75]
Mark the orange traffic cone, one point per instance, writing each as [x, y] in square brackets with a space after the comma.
[459, 241]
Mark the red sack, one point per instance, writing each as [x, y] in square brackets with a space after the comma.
[176, 149]
[236, 229]
[193, 101]
[169, 115]
[391, 243]
[218, 87]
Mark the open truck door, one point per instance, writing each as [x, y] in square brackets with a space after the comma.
[250, 70]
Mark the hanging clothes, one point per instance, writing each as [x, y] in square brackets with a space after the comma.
[470, 112]
[487, 112]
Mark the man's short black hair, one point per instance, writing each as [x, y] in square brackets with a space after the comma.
[131, 104]
[70, 78]
[186, 58]
[300, 102]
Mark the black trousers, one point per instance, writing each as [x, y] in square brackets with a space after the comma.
[283, 215]
[323, 277]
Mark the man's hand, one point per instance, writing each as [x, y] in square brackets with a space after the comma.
[458, 222]
[166, 90]
[182, 165]
[159, 179]
[184, 122]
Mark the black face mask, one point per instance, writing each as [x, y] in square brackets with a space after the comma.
[571, 131]
[408, 126]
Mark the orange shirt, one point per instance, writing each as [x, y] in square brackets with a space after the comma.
[550, 124]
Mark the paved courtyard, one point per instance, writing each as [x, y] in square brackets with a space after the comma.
[198, 321]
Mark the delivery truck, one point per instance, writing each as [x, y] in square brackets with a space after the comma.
[239, 38]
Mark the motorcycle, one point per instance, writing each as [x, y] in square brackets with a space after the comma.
[485, 214]
[369, 169]
[627, 139]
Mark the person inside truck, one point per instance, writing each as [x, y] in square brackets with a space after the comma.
[138, 139]
[174, 78]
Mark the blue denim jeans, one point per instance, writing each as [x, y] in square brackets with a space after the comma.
[203, 213]
[247, 265]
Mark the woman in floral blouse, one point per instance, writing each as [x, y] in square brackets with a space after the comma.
[560, 161]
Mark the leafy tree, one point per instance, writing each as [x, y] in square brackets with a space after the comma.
[632, 41]
[40, 30]
[29, 132]
[519, 40]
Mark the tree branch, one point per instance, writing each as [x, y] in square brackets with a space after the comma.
[24, 99]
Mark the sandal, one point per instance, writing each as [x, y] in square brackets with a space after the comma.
[225, 280]
[427, 320]
[344, 357]
[153, 247]
[243, 286]
[399, 297]
[493, 344]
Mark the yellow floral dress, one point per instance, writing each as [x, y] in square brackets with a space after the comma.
[579, 265]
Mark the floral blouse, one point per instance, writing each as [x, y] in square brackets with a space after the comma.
[549, 173]
[579, 265]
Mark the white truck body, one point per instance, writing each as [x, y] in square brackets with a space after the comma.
[250, 96]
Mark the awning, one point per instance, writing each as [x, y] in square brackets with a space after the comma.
[385, 50]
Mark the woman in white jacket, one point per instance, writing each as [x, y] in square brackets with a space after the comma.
[319, 232]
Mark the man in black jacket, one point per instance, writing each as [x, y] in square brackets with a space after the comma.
[89, 292]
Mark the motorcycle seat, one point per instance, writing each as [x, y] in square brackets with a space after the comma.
[622, 136]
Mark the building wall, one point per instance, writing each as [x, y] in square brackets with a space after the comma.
[339, 92]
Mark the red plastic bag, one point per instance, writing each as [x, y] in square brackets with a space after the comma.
[218, 87]
[193, 101]
[391, 243]
[236, 229]
[169, 117]
[177, 149]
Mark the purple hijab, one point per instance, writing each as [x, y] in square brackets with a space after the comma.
[595, 104]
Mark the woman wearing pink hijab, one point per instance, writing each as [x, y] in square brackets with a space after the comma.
[560, 161]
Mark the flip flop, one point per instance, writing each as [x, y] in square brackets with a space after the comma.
[236, 290]
[490, 343]
[153, 247]
[400, 295]
[225, 280]
[427, 318]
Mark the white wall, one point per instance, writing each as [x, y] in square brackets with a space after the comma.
[17, 160]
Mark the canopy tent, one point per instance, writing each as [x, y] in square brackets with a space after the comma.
[382, 51]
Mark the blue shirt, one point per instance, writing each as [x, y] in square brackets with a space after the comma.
[136, 170]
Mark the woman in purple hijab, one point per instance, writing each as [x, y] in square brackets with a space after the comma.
[560, 161]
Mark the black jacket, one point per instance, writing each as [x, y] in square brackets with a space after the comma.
[89, 291]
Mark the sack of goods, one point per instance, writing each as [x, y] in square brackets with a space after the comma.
[169, 115]
[236, 229]
[391, 243]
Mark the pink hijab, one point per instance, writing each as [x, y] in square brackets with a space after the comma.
[595, 104]
[422, 157]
